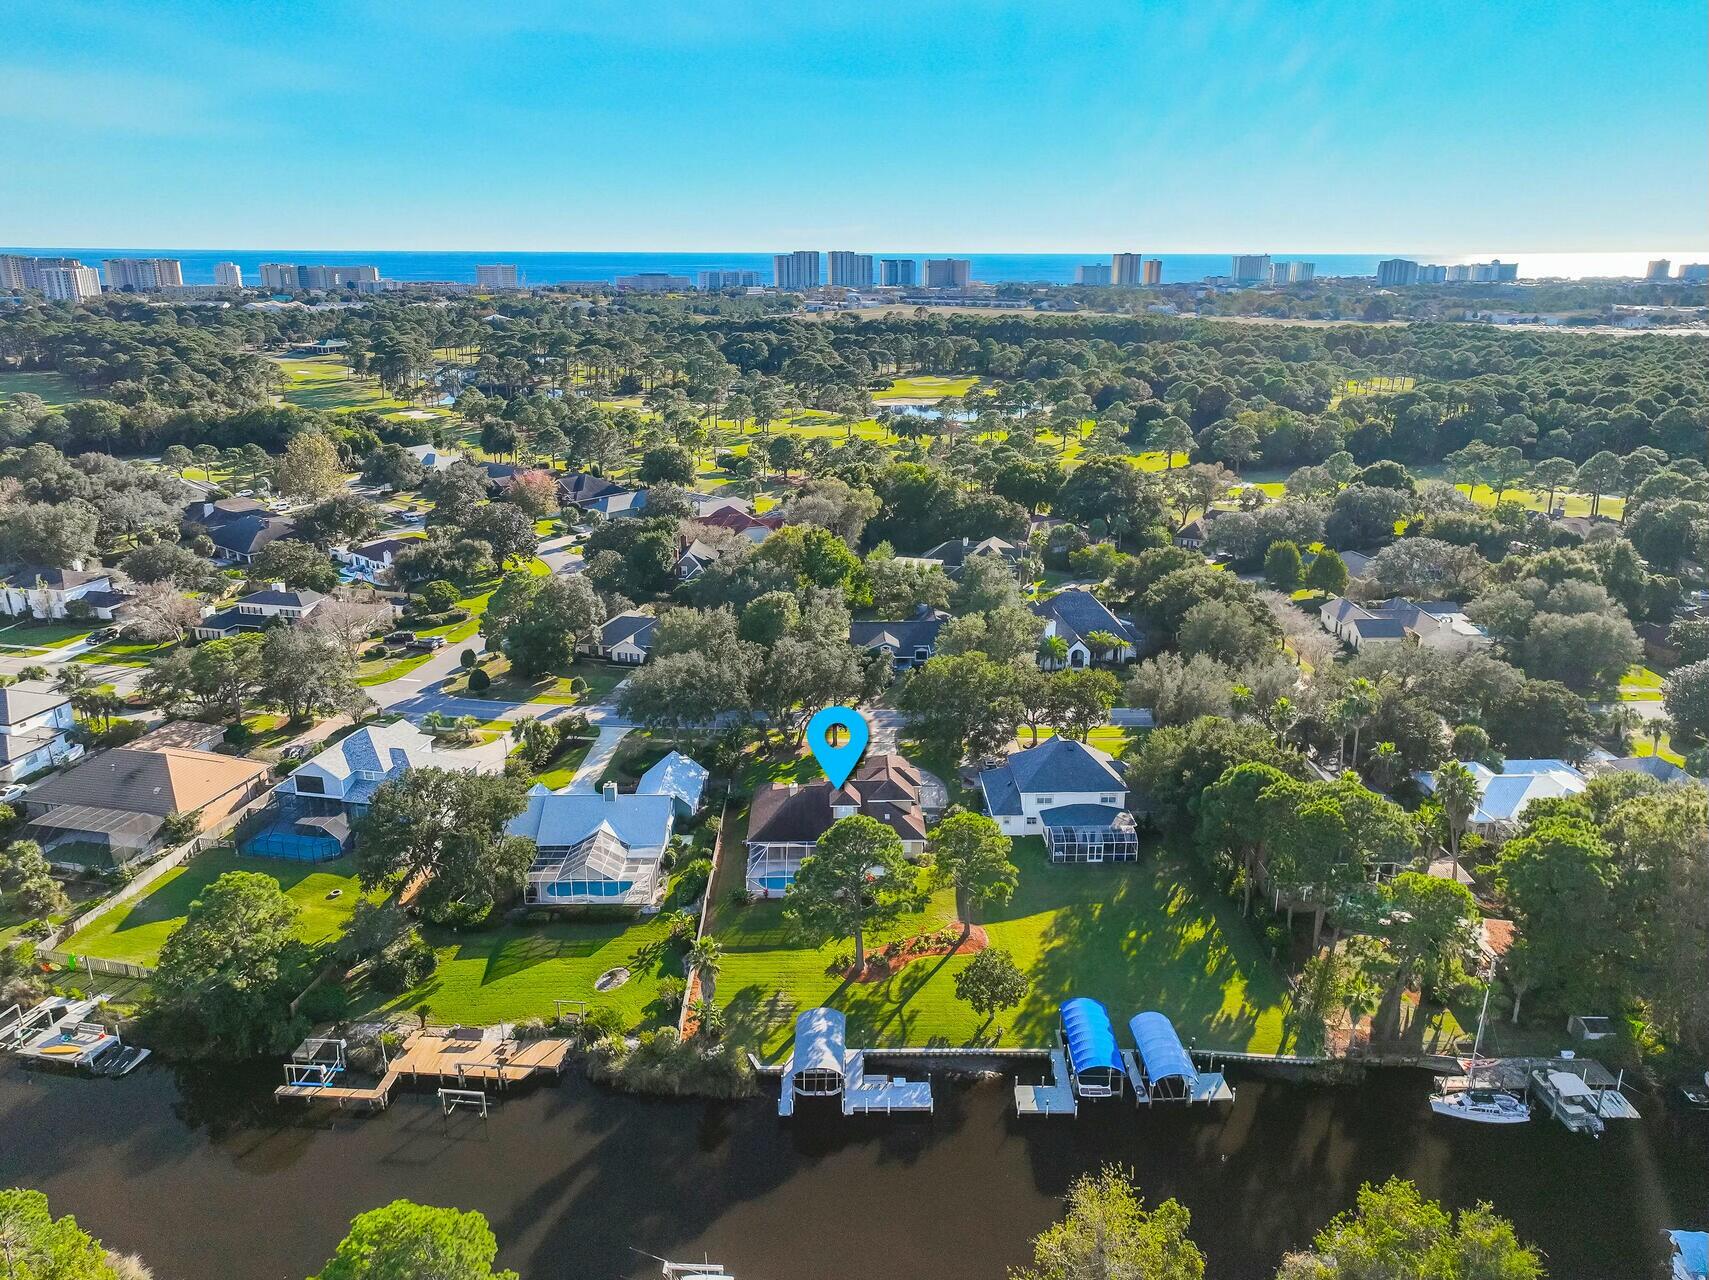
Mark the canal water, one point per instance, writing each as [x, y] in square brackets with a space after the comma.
[206, 1177]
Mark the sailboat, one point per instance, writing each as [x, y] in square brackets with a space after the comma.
[1461, 1099]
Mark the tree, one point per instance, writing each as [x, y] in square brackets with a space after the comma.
[1328, 572]
[34, 1245]
[446, 827]
[1283, 567]
[1587, 652]
[1686, 696]
[1177, 690]
[1231, 632]
[170, 563]
[1109, 493]
[507, 529]
[1430, 925]
[1457, 792]
[1395, 1234]
[159, 611]
[1108, 1234]
[534, 492]
[962, 699]
[667, 464]
[969, 852]
[301, 566]
[308, 670]
[1176, 763]
[1558, 878]
[1078, 701]
[310, 468]
[227, 974]
[225, 675]
[990, 983]
[537, 622]
[408, 1241]
[855, 879]
[394, 467]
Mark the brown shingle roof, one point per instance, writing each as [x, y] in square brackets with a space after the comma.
[886, 787]
[162, 781]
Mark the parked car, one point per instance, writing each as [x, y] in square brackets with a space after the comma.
[428, 643]
[102, 634]
[401, 637]
[11, 791]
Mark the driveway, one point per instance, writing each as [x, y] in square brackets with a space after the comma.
[557, 553]
[611, 733]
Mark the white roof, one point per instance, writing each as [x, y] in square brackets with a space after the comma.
[1504, 795]
[677, 776]
[560, 819]
[821, 1041]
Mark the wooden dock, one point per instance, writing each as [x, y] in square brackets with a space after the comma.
[439, 1057]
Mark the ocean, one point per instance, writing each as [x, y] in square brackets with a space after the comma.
[1026, 268]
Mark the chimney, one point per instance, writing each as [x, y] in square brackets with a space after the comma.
[610, 792]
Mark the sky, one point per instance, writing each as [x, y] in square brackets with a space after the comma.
[942, 125]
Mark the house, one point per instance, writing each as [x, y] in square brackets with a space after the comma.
[701, 505]
[1502, 797]
[1074, 615]
[627, 638]
[596, 848]
[372, 561]
[432, 456]
[908, 644]
[240, 541]
[41, 592]
[588, 492]
[34, 720]
[952, 556]
[1193, 535]
[256, 611]
[786, 822]
[1071, 794]
[680, 778]
[694, 559]
[1435, 624]
[117, 801]
[1650, 766]
[316, 807]
[735, 520]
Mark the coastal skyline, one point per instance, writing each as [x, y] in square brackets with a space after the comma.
[969, 128]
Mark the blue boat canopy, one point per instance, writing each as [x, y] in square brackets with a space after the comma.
[1091, 1038]
[1160, 1048]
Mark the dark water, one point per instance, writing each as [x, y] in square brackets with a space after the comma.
[557, 268]
[209, 1178]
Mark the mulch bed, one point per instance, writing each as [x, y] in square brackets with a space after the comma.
[880, 966]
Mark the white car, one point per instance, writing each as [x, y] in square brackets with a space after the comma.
[11, 791]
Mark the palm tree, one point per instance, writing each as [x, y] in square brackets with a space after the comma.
[705, 957]
[1457, 793]
[1361, 704]
[1053, 652]
[1103, 643]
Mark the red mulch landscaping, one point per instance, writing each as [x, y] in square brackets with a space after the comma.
[880, 966]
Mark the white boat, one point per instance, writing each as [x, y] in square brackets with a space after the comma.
[1481, 1106]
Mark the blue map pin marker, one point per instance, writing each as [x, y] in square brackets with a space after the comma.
[838, 761]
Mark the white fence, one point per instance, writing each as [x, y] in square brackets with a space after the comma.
[95, 965]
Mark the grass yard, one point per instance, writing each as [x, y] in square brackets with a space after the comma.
[325, 383]
[511, 972]
[1643, 746]
[47, 635]
[597, 680]
[1144, 935]
[925, 386]
[383, 670]
[1640, 684]
[55, 389]
[563, 766]
[136, 931]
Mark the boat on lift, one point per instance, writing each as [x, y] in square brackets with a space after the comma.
[1460, 1098]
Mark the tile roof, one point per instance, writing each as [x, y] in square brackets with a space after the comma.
[160, 781]
[886, 787]
[303, 599]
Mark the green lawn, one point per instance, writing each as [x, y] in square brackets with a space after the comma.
[1640, 684]
[599, 677]
[564, 765]
[1136, 936]
[136, 931]
[325, 383]
[925, 386]
[53, 388]
[511, 972]
[47, 635]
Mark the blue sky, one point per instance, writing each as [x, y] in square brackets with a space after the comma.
[965, 125]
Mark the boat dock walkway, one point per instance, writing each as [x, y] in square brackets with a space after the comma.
[1206, 1086]
[1053, 1099]
[863, 1093]
[438, 1056]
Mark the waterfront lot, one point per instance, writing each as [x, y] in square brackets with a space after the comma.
[135, 931]
[1146, 935]
[515, 971]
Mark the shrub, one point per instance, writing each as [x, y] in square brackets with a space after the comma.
[671, 991]
[438, 596]
[691, 880]
[660, 1063]
[742, 896]
[176, 828]
[467, 659]
[402, 963]
[479, 681]
[530, 1029]
[327, 1002]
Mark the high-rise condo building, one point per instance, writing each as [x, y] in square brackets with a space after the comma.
[1154, 271]
[1432, 273]
[712, 281]
[948, 273]
[18, 271]
[1658, 269]
[1124, 269]
[141, 275]
[897, 273]
[850, 270]
[280, 277]
[1694, 272]
[1093, 273]
[1284, 273]
[795, 272]
[653, 282]
[69, 284]
[228, 275]
[1395, 271]
[1251, 268]
[497, 275]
